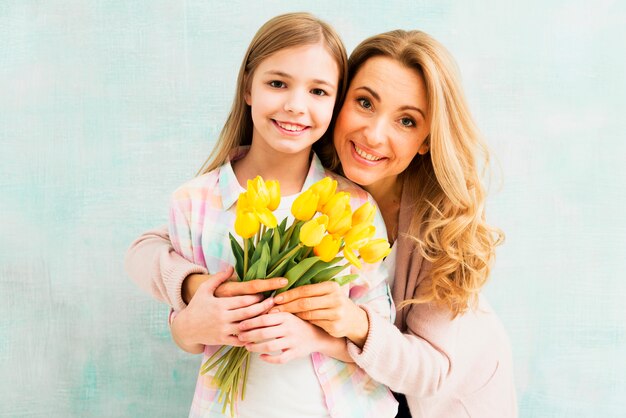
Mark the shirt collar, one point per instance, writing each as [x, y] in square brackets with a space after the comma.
[229, 185]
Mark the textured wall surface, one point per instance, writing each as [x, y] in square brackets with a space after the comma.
[107, 106]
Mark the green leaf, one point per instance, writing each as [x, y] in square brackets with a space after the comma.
[260, 261]
[343, 280]
[238, 253]
[251, 274]
[275, 248]
[327, 274]
[314, 271]
[295, 236]
[263, 262]
[283, 225]
[297, 271]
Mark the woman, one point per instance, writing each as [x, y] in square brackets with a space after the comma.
[405, 134]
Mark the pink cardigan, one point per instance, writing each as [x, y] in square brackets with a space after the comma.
[447, 368]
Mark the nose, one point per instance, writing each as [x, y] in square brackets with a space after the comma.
[376, 131]
[295, 102]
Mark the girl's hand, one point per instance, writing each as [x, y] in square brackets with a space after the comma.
[209, 320]
[283, 332]
[325, 305]
[230, 288]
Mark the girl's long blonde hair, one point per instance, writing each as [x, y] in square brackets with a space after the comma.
[449, 215]
[285, 31]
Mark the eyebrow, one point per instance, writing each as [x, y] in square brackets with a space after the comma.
[405, 107]
[285, 75]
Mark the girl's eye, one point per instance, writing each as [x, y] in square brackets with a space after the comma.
[319, 92]
[365, 104]
[408, 122]
[277, 84]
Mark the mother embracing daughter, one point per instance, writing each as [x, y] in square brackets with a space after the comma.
[405, 134]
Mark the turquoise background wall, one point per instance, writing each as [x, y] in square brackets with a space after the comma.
[107, 106]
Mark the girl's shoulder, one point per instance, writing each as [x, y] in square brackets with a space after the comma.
[198, 186]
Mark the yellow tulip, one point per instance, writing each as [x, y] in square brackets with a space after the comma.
[328, 248]
[359, 235]
[364, 214]
[375, 250]
[339, 224]
[325, 188]
[312, 232]
[305, 205]
[246, 224]
[243, 203]
[266, 217]
[351, 257]
[258, 194]
[337, 204]
[273, 187]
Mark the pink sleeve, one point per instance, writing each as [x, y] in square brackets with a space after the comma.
[157, 269]
[406, 363]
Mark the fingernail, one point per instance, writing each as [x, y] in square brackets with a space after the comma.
[278, 299]
[275, 310]
[283, 282]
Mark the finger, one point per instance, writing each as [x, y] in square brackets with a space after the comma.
[261, 322]
[318, 289]
[262, 334]
[251, 287]
[319, 315]
[282, 358]
[305, 304]
[237, 302]
[215, 280]
[251, 311]
[233, 341]
[270, 346]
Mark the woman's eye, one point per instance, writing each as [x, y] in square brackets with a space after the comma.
[277, 84]
[408, 122]
[365, 104]
[319, 92]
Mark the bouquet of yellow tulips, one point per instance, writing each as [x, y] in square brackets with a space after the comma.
[304, 252]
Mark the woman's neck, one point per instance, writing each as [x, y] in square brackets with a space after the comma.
[290, 171]
[387, 193]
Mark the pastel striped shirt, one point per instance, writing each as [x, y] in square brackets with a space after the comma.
[202, 214]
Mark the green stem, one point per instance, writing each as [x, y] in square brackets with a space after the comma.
[245, 257]
[286, 256]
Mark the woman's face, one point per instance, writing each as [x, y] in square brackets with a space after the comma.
[383, 123]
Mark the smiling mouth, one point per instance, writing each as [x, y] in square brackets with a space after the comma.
[290, 127]
[361, 153]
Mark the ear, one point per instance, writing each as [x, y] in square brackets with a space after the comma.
[425, 147]
[247, 86]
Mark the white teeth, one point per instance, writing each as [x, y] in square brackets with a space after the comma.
[365, 155]
[290, 127]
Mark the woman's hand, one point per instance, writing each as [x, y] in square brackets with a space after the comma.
[325, 305]
[209, 320]
[285, 333]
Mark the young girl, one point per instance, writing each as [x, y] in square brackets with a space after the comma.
[292, 77]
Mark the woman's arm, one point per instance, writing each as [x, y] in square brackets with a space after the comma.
[157, 269]
[417, 362]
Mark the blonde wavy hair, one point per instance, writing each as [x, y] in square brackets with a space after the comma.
[284, 31]
[448, 224]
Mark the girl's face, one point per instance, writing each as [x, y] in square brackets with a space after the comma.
[383, 123]
[292, 95]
